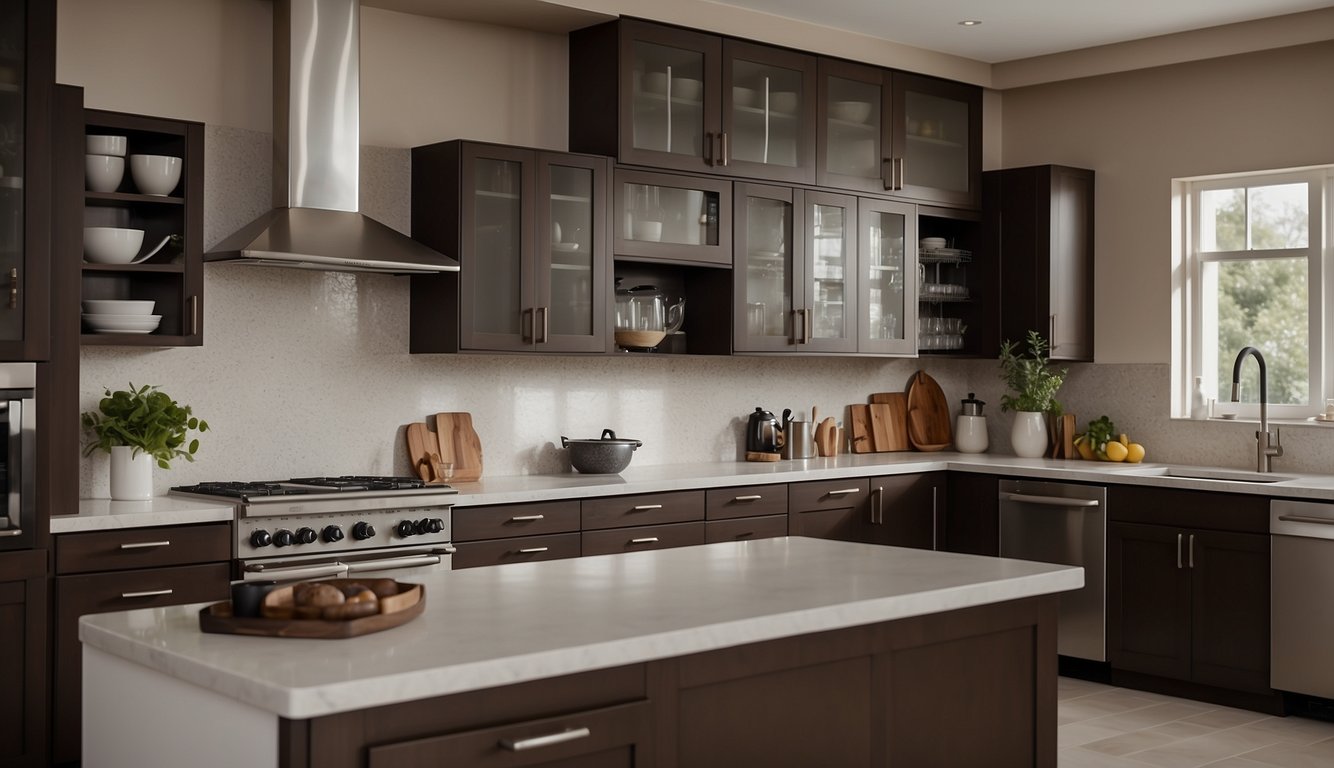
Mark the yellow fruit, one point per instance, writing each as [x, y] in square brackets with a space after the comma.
[1124, 439]
[1115, 451]
[1085, 452]
[1134, 453]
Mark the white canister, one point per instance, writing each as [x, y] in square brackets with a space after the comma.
[1028, 436]
[131, 475]
[970, 434]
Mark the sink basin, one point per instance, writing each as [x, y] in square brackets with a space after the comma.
[1205, 473]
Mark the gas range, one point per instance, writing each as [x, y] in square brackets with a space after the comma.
[321, 526]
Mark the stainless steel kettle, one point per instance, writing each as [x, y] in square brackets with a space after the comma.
[763, 433]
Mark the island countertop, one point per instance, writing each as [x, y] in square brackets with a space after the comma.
[488, 627]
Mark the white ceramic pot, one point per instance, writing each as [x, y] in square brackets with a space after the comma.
[131, 476]
[1028, 436]
[970, 434]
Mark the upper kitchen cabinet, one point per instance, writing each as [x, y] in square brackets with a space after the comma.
[530, 231]
[1039, 226]
[854, 120]
[672, 218]
[143, 229]
[27, 82]
[692, 101]
[937, 141]
[957, 285]
[887, 284]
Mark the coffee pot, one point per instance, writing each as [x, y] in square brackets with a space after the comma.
[763, 433]
[970, 429]
[644, 317]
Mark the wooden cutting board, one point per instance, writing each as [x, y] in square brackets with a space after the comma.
[859, 420]
[889, 421]
[458, 443]
[929, 415]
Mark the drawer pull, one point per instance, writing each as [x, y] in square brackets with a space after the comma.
[533, 550]
[149, 593]
[549, 740]
[526, 518]
[645, 540]
[146, 545]
[752, 497]
[11, 532]
[646, 507]
[844, 491]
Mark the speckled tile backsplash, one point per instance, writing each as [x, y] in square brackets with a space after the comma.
[308, 372]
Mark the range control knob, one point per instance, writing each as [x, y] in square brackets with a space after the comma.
[332, 533]
[305, 536]
[260, 538]
[362, 531]
[283, 538]
[430, 525]
[405, 528]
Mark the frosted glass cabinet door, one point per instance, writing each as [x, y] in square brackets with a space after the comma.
[937, 139]
[768, 268]
[670, 101]
[769, 112]
[887, 323]
[13, 77]
[673, 218]
[496, 296]
[830, 306]
[853, 146]
[571, 262]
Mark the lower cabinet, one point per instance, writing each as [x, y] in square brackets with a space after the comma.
[635, 523]
[23, 681]
[515, 533]
[641, 537]
[831, 509]
[745, 512]
[1186, 601]
[105, 571]
[971, 522]
[907, 510]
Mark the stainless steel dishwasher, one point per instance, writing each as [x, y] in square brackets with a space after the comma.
[1301, 596]
[1065, 524]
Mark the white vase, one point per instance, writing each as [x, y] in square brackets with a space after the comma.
[1028, 436]
[131, 476]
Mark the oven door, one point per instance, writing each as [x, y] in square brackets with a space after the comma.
[395, 562]
[18, 465]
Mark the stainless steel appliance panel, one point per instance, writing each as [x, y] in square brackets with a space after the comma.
[1065, 524]
[18, 456]
[1301, 585]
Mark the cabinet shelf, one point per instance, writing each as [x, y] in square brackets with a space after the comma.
[569, 199]
[133, 340]
[110, 198]
[934, 142]
[173, 268]
[943, 299]
[488, 194]
[659, 101]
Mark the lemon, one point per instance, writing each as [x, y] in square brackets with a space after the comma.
[1116, 451]
[1085, 452]
[1134, 453]
[1125, 440]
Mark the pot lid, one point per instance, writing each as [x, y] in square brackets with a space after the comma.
[608, 438]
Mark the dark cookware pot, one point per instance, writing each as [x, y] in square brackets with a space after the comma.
[606, 455]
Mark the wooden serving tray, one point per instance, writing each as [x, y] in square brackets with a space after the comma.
[397, 609]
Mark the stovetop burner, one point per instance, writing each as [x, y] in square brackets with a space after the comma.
[241, 489]
[298, 486]
[360, 482]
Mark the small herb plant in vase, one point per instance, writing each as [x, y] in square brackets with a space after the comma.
[138, 427]
[1033, 384]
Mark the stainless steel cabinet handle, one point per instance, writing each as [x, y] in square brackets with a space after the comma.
[843, 491]
[902, 176]
[551, 739]
[390, 563]
[725, 158]
[194, 315]
[146, 545]
[1178, 551]
[526, 518]
[645, 540]
[11, 532]
[533, 550]
[14, 288]
[752, 497]
[935, 518]
[1051, 332]
[148, 593]
[1191, 552]
[809, 334]
[1306, 519]
[1051, 501]
[887, 172]
[645, 507]
[545, 324]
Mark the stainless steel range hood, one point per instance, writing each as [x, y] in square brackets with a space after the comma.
[316, 141]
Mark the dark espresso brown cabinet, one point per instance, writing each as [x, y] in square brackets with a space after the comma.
[530, 232]
[831, 509]
[515, 533]
[1188, 586]
[23, 694]
[908, 510]
[1039, 226]
[972, 515]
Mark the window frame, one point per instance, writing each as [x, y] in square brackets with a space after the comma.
[1191, 353]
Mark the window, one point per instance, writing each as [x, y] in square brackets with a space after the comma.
[1251, 270]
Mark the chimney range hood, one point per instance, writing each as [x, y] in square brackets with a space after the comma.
[316, 143]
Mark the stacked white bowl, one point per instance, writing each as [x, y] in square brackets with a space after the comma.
[104, 162]
[155, 174]
[120, 316]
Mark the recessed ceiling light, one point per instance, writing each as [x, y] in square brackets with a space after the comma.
[969, 23]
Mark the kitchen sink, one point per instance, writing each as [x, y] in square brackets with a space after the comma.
[1205, 473]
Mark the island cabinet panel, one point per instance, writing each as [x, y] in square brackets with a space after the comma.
[971, 524]
[651, 509]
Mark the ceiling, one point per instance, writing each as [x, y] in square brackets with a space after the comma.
[1019, 29]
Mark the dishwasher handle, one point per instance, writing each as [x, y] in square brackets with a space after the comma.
[1051, 501]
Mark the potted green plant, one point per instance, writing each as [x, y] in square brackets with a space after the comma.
[1033, 384]
[137, 427]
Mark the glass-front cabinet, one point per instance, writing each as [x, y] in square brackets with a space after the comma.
[853, 140]
[887, 248]
[937, 140]
[669, 97]
[531, 240]
[670, 218]
[768, 112]
[795, 271]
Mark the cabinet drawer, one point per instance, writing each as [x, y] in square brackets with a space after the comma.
[650, 509]
[617, 540]
[745, 501]
[828, 494]
[1242, 513]
[618, 735]
[743, 528]
[520, 549]
[143, 547]
[508, 520]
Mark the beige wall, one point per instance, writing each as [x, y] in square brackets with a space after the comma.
[1141, 129]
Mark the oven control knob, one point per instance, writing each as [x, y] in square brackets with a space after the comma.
[430, 525]
[405, 528]
[305, 536]
[260, 538]
[362, 531]
[283, 538]
[332, 533]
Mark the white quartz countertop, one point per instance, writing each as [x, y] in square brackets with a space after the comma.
[105, 514]
[486, 627]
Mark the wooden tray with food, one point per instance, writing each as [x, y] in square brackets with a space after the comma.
[333, 608]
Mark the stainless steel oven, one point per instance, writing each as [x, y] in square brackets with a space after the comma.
[18, 457]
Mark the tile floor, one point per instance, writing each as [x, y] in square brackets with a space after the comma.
[1099, 726]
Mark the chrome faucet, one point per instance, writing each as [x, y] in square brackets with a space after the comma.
[1264, 450]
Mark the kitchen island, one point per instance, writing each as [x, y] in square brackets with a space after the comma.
[788, 651]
